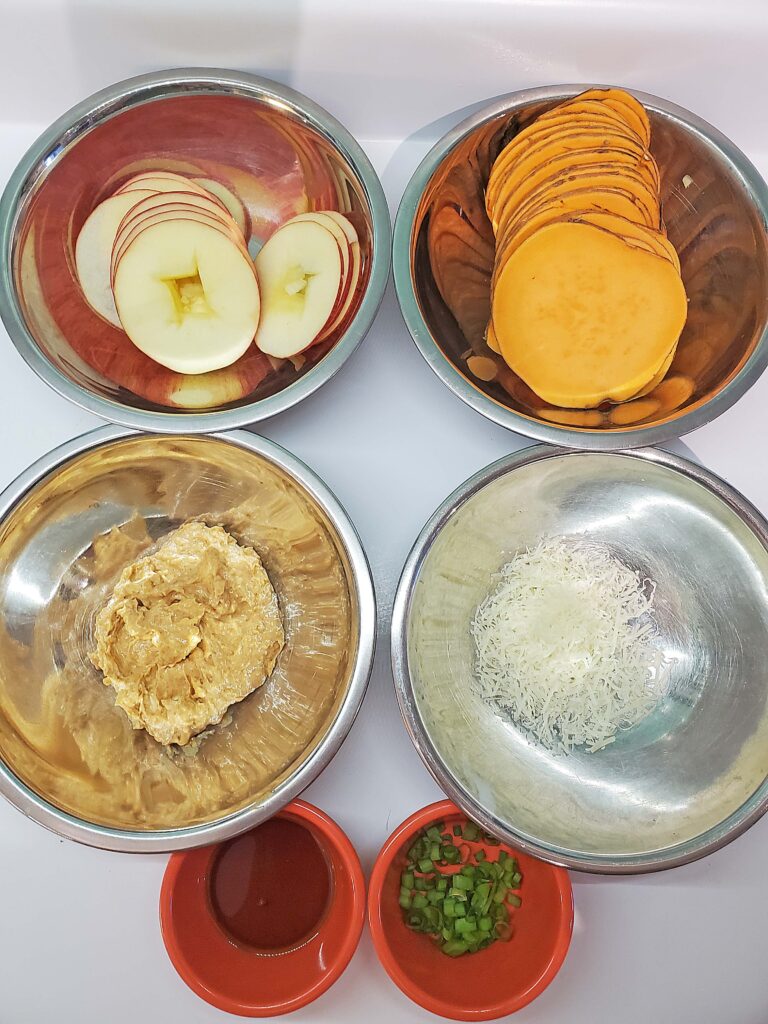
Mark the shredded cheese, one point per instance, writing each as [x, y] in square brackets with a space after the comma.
[564, 645]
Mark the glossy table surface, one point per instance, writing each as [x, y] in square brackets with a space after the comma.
[79, 939]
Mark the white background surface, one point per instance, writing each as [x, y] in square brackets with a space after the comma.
[79, 936]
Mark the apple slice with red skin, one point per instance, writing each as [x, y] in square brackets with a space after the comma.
[187, 295]
[158, 200]
[93, 251]
[179, 213]
[161, 181]
[346, 256]
[300, 274]
[355, 271]
[233, 204]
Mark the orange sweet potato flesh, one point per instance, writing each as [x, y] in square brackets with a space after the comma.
[584, 318]
[540, 131]
[609, 173]
[623, 103]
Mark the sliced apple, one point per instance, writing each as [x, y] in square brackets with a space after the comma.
[355, 270]
[228, 198]
[187, 296]
[300, 274]
[165, 202]
[175, 214]
[93, 251]
[160, 181]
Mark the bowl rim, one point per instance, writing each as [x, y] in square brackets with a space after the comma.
[597, 440]
[104, 837]
[700, 846]
[419, 819]
[158, 85]
[340, 841]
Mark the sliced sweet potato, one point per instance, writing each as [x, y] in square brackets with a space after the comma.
[633, 412]
[633, 232]
[623, 103]
[491, 339]
[538, 132]
[576, 142]
[659, 376]
[612, 200]
[582, 317]
[596, 174]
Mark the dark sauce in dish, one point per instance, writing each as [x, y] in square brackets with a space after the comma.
[270, 888]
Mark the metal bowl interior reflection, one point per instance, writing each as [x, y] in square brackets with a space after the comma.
[715, 206]
[686, 779]
[68, 756]
[275, 149]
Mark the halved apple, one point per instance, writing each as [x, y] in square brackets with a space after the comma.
[93, 251]
[300, 275]
[228, 198]
[186, 295]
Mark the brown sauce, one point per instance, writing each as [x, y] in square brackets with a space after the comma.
[270, 888]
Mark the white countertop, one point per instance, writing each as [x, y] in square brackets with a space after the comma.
[79, 934]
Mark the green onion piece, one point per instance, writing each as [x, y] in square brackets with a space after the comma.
[419, 902]
[407, 880]
[465, 924]
[462, 882]
[502, 856]
[457, 831]
[449, 908]
[433, 834]
[503, 931]
[451, 854]
[468, 871]
[460, 910]
[426, 866]
[455, 948]
[515, 900]
[434, 896]
[485, 924]
[420, 884]
[405, 901]
[457, 894]
[471, 832]
[516, 880]
[480, 856]
[442, 885]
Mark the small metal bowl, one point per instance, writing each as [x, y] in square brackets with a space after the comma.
[715, 207]
[276, 149]
[689, 777]
[69, 758]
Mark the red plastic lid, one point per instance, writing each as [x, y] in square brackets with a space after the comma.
[246, 982]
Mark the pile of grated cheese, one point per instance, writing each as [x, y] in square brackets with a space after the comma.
[564, 645]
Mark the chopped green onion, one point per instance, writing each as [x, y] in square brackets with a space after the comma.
[456, 895]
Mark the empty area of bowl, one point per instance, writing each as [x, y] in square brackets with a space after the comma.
[273, 157]
[714, 208]
[60, 731]
[697, 765]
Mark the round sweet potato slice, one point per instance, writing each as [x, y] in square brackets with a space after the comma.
[604, 175]
[625, 104]
[541, 130]
[581, 317]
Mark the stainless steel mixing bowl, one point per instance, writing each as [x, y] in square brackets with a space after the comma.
[683, 781]
[715, 206]
[68, 756]
[280, 152]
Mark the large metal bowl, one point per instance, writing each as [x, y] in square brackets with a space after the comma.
[279, 151]
[68, 757]
[689, 777]
[715, 206]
